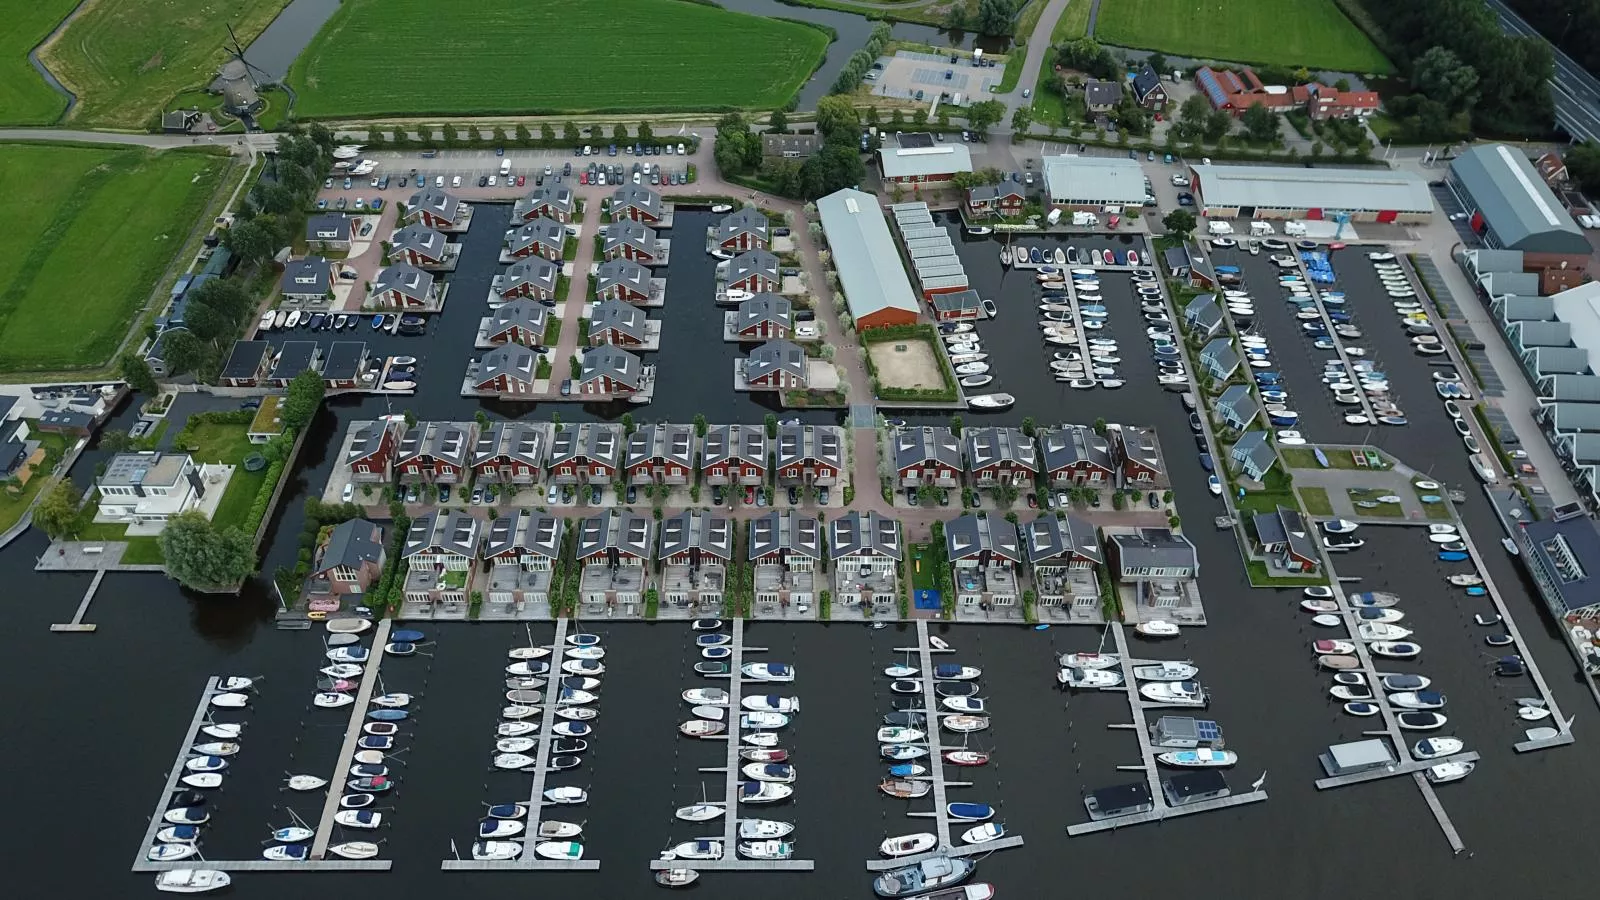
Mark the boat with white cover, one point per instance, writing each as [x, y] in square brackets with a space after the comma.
[909, 844]
[1166, 671]
[1436, 747]
[191, 881]
[1446, 772]
[1202, 757]
[1088, 678]
[1090, 660]
[1176, 693]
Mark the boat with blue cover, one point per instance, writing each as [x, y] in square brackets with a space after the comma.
[1454, 556]
[970, 812]
[406, 635]
[387, 715]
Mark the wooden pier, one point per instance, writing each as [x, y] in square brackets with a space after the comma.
[352, 735]
[930, 713]
[77, 625]
[140, 863]
[1163, 811]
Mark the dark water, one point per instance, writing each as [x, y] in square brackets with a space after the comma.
[276, 49]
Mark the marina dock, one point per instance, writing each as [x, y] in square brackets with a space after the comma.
[352, 734]
[77, 625]
[1409, 767]
[930, 712]
[900, 862]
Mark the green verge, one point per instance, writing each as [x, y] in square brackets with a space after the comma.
[25, 97]
[1294, 33]
[126, 58]
[490, 58]
[1316, 501]
[122, 212]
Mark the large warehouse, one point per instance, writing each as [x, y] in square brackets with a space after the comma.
[1513, 209]
[1093, 183]
[1289, 192]
[864, 254]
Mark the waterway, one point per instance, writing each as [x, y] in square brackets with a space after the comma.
[276, 49]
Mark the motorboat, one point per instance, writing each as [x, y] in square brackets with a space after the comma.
[1379, 615]
[287, 852]
[1381, 631]
[1319, 606]
[969, 812]
[763, 721]
[1361, 708]
[763, 739]
[230, 700]
[676, 878]
[699, 812]
[1404, 682]
[905, 686]
[963, 724]
[768, 671]
[1350, 692]
[1156, 628]
[1088, 678]
[771, 703]
[972, 705]
[559, 849]
[1089, 660]
[191, 881]
[342, 670]
[902, 752]
[366, 818]
[1499, 640]
[496, 850]
[766, 791]
[566, 796]
[513, 761]
[991, 401]
[900, 735]
[1350, 678]
[907, 770]
[1166, 671]
[170, 852]
[348, 654]
[706, 624]
[591, 667]
[1199, 758]
[929, 875]
[704, 848]
[1336, 647]
[206, 764]
[1176, 693]
[1446, 772]
[909, 844]
[702, 640]
[515, 729]
[780, 773]
[585, 638]
[1338, 526]
[953, 672]
[1395, 649]
[966, 757]
[702, 728]
[1373, 600]
[594, 652]
[706, 696]
[776, 754]
[576, 696]
[1420, 721]
[205, 780]
[573, 729]
[357, 801]
[223, 731]
[1436, 747]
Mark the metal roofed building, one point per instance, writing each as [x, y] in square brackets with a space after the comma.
[918, 159]
[1284, 192]
[1356, 756]
[1093, 183]
[1563, 557]
[870, 272]
[1511, 207]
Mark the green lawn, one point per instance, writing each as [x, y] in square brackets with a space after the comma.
[1073, 24]
[229, 444]
[1294, 33]
[407, 57]
[119, 212]
[1316, 501]
[923, 578]
[142, 550]
[126, 58]
[25, 98]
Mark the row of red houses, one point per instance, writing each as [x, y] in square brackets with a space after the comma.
[1234, 92]
[1065, 455]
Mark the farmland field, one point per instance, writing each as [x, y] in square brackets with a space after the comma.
[490, 56]
[94, 231]
[1294, 33]
[126, 58]
[25, 99]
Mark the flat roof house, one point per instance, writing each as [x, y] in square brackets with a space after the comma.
[345, 365]
[148, 488]
[957, 306]
[868, 262]
[307, 280]
[248, 364]
[1282, 192]
[293, 358]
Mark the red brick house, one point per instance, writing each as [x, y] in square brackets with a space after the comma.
[418, 245]
[610, 371]
[348, 561]
[1001, 456]
[755, 271]
[746, 229]
[622, 279]
[371, 452]
[810, 454]
[590, 453]
[764, 317]
[1075, 455]
[661, 454]
[539, 237]
[435, 452]
[637, 203]
[1139, 455]
[777, 365]
[987, 200]
[507, 370]
[734, 454]
[535, 278]
[518, 322]
[436, 209]
[1323, 102]
[402, 286]
[630, 240]
[551, 201]
[615, 322]
[926, 456]
[509, 453]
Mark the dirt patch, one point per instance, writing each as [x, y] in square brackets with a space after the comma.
[909, 364]
[151, 64]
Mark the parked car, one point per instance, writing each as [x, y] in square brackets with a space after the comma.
[552, 494]
[348, 494]
[632, 494]
[477, 495]
[717, 495]
[794, 495]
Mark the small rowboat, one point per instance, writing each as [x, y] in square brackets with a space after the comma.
[905, 789]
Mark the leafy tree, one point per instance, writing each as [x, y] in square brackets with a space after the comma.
[1192, 117]
[1445, 79]
[646, 134]
[1583, 164]
[627, 423]
[116, 441]
[1087, 56]
[1022, 118]
[304, 396]
[1179, 223]
[1218, 123]
[252, 241]
[619, 132]
[836, 115]
[771, 423]
[778, 122]
[570, 133]
[1157, 62]
[137, 373]
[1260, 125]
[198, 554]
[700, 425]
[984, 115]
[547, 133]
[955, 19]
[919, 117]
[499, 136]
[524, 136]
[184, 352]
[955, 425]
[1343, 84]
[995, 18]
[57, 511]
[482, 418]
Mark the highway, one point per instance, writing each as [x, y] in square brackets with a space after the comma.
[1576, 92]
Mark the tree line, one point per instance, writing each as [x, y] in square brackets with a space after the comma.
[836, 164]
[861, 61]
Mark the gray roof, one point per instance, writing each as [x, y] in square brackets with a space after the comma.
[612, 362]
[596, 441]
[442, 532]
[328, 228]
[870, 272]
[785, 531]
[245, 359]
[350, 544]
[1519, 210]
[1237, 405]
[406, 279]
[796, 145]
[775, 356]
[864, 534]
[1111, 180]
[617, 530]
[447, 441]
[1291, 188]
[1204, 313]
[1527, 309]
[1582, 448]
[1499, 284]
[512, 441]
[995, 445]
[1221, 356]
[540, 232]
[710, 533]
[662, 443]
[1155, 548]
[365, 440]
[525, 533]
[746, 442]
[615, 314]
[636, 197]
[144, 468]
[550, 195]
[1540, 334]
[1254, 451]
[753, 262]
[1566, 418]
[1051, 537]
[1139, 445]
[344, 361]
[529, 314]
[929, 443]
[975, 534]
[1484, 260]
[1580, 388]
[625, 272]
[1102, 93]
[1145, 83]
[992, 192]
[820, 443]
[420, 238]
[1567, 553]
[1071, 444]
[311, 276]
[765, 307]
[746, 221]
[955, 301]
[512, 360]
[630, 233]
[1557, 360]
[538, 272]
[435, 201]
[934, 159]
[295, 357]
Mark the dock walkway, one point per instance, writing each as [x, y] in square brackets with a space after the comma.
[352, 735]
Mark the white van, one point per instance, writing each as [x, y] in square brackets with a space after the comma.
[505, 167]
[1216, 226]
[1260, 229]
[1054, 217]
[1294, 228]
[1083, 219]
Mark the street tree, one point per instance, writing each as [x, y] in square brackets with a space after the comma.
[1022, 119]
[137, 373]
[984, 115]
[1179, 222]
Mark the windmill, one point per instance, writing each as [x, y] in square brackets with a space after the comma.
[236, 81]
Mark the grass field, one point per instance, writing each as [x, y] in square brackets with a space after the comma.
[564, 55]
[1074, 22]
[25, 99]
[1310, 33]
[229, 444]
[95, 230]
[125, 58]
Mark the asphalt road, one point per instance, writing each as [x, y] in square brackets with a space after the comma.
[1576, 92]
